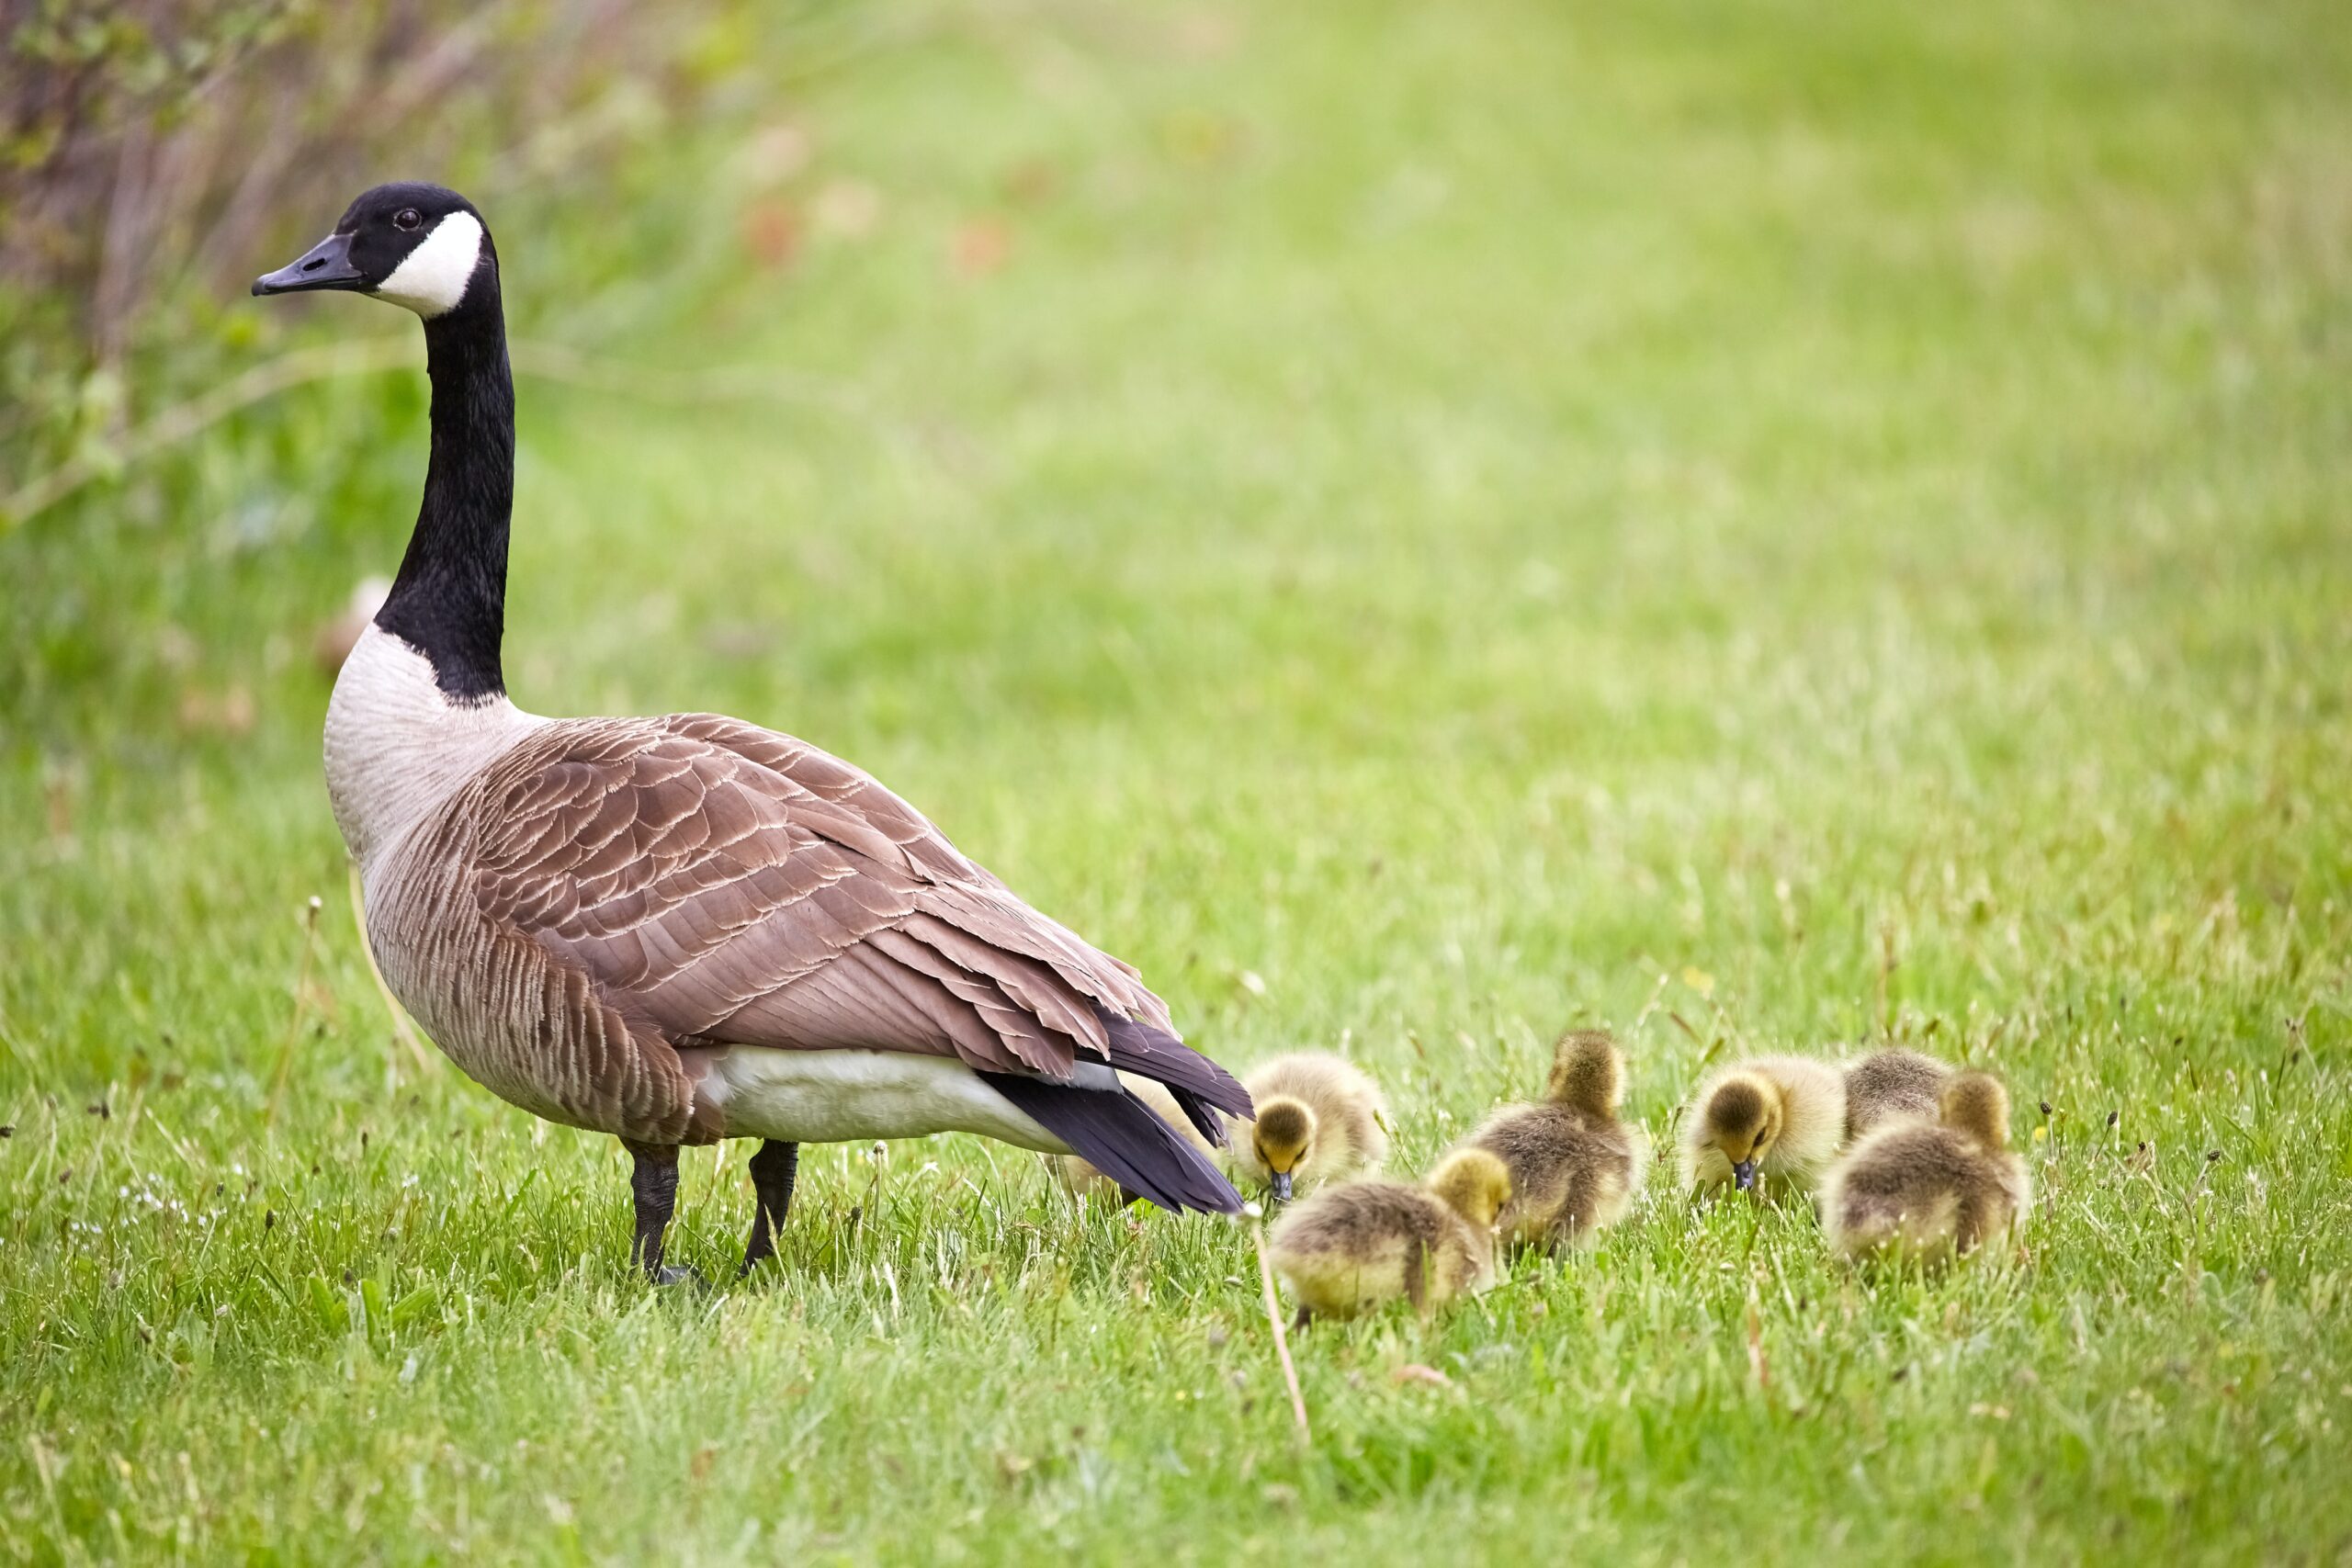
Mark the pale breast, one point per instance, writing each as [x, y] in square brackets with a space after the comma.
[397, 746]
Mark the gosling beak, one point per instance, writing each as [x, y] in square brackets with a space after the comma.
[1743, 1175]
[326, 264]
[1282, 1187]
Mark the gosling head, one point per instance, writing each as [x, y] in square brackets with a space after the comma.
[1588, 1072]
[1742, 1118]
[1284, 1140]
[1976, 1104]
[1475, 1185]
[417, 245]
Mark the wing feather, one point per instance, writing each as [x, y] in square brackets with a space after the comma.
[723, 883]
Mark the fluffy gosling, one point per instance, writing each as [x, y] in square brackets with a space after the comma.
[1930, 1190]
[1893, 1084]
[1775, 1119]
[1082, 1180]
[1353, 1247]
[1574, 1165]
[1320, 1119]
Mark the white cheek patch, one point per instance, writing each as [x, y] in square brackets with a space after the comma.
[433, 278]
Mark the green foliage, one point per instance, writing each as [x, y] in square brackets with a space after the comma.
[152, 152]
[1762, 526]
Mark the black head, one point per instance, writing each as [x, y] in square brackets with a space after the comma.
[418, 245]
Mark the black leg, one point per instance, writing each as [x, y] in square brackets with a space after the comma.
[653, 1183]
[772, 1169]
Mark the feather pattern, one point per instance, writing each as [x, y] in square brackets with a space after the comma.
[1117, 1134]
[605, 899]
[646, 926]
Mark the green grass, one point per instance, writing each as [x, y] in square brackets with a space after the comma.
[1761, 525]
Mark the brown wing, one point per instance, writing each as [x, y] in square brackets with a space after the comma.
[724, 883]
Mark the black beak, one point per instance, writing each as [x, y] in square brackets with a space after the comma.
[1743, 1175]
[326, 264]
[1282, 1187]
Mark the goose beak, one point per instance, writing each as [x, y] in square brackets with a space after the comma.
[1743, 1175]
[1282, 1186]
[326, 264]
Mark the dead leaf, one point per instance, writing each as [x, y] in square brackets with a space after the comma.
[1414, 1373]
[1034, 183]
[981, 246]
[771, 233]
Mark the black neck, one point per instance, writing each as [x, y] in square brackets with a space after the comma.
[449, 601]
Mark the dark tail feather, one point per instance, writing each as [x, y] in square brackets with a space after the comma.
[1194, 1082]
[1118, 1135]
[1201, 1116]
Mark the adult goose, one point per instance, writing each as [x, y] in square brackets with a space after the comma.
[686, 929]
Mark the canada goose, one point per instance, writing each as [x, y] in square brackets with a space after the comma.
[1891, 1083]
[1574, 1165]
[685, 929]
[1356, 1245]
[1770, 1117]
[1318, 1119]
[1082, 1179]
[1930, 1190]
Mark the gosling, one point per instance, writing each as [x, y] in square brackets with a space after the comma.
[1318, 1120]
[1931, 1191]
[1891, 1085]
[1080, 1177]
[1775, 1120]
[1574, 1167]
[1359, 1245]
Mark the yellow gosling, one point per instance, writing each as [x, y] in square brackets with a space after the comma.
[1574, 1167]
[1769, 1121]
[1319, 1119]
[1934, 1190]
[1356, 1245]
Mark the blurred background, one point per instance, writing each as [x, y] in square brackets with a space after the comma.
[1406, 520]
[1759, 524]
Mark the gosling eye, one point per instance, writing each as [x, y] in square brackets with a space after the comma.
[408, 218]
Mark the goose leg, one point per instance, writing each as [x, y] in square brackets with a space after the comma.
[653, 1184]
[772, 1169]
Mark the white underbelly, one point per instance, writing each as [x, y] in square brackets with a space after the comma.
[835, 1097]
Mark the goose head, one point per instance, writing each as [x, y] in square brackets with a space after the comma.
[418, 245]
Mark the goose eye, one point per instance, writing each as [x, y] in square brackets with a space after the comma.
[407, 218]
